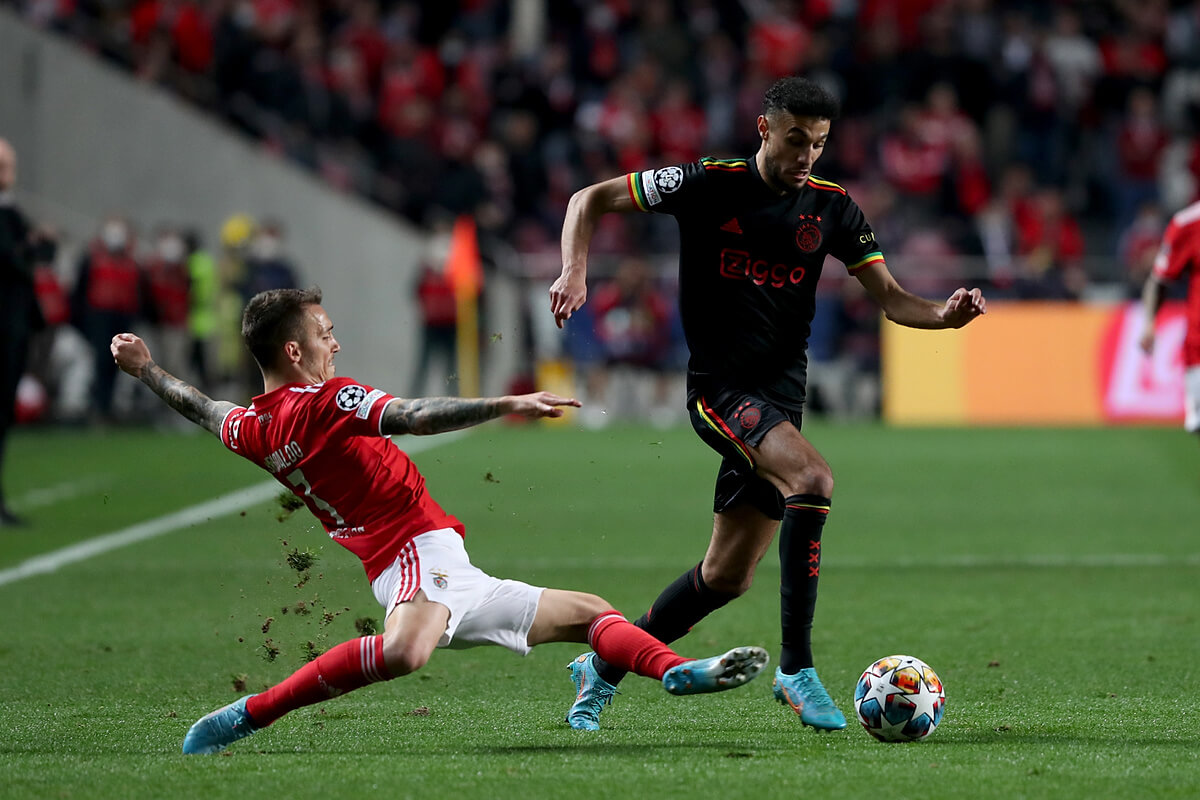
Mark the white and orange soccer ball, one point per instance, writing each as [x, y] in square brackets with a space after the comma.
[899, 699]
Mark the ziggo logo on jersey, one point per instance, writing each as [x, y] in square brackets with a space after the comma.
[738, 264]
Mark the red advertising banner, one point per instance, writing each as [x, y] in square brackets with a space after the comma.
[1140, 387]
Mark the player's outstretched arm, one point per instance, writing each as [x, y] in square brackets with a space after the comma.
[133, 357]
[427, 415]
[1152, 298]
[905, 308]
[586, 207]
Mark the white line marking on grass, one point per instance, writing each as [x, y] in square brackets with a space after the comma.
[49, 495]
[217, 507]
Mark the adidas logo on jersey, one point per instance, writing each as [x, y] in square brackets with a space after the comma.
[732, 226]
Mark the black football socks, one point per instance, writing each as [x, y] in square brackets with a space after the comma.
[800, 569]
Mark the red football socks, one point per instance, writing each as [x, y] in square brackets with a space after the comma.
[349, 666]
[626, 646]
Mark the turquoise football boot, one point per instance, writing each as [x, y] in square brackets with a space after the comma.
[808, 698]
[213, 732]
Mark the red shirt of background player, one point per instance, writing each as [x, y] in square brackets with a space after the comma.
[1180, 251]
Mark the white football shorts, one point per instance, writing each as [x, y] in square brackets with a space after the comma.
[1191, 399]
[483, 609]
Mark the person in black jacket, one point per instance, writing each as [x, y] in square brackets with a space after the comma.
[20, 316]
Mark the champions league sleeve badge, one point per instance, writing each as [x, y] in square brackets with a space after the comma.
[349, 397]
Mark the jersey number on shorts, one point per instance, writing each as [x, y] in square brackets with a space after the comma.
[296, 478]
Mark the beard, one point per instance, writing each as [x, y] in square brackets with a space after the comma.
[774, 176]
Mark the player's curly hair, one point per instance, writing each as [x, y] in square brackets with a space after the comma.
[800, 97]
[273, 318]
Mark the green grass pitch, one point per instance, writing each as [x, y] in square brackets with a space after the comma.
[1051, 577]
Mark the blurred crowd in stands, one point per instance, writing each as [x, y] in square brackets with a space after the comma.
[185, 299]
[1034, 148]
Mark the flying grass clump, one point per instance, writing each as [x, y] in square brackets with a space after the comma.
[287, 503]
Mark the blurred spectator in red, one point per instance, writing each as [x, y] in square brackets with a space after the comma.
[940, 123]
[902, 15]
[439, 331]
[1050, 243]
[61, 359]
[1132, 59]
[971, 188]
[362, 32]
[680, 128]
[411, 72]
[168, 280]
[632, 326]
[1140, 141]
[909, 161]
[777, 38]
[109, 295]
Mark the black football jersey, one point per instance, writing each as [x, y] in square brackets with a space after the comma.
[749, 263]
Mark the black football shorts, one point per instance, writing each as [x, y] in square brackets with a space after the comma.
[731, 421]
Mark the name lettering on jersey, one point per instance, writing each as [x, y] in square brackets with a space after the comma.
[738, 265]
[283, 458]
[347, 533]
[364, 408]
[349, 397]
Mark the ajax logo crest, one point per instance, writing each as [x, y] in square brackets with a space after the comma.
[808, 237]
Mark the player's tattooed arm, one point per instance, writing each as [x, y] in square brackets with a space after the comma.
[439, 414]
[427, 415]
[185, 398]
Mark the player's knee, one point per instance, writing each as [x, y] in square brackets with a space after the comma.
[405, 657]
[811, 479]
[587, 607]
[728, 578]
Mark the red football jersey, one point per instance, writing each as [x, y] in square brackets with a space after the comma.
[323, 442]
[1180, 251]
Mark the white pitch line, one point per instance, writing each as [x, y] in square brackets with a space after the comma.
[37, 498]
[217, 507]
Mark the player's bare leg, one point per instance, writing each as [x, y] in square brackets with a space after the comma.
[741, 537]
[410, 635]
[790, 462]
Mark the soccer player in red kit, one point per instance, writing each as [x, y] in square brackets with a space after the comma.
[325, 438]
[1178, 255]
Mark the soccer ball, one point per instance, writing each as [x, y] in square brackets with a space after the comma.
[899, 699]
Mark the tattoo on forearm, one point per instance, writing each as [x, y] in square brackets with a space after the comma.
[185, 398]
[438, 414]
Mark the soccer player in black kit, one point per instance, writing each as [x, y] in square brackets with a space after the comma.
[754, 233]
